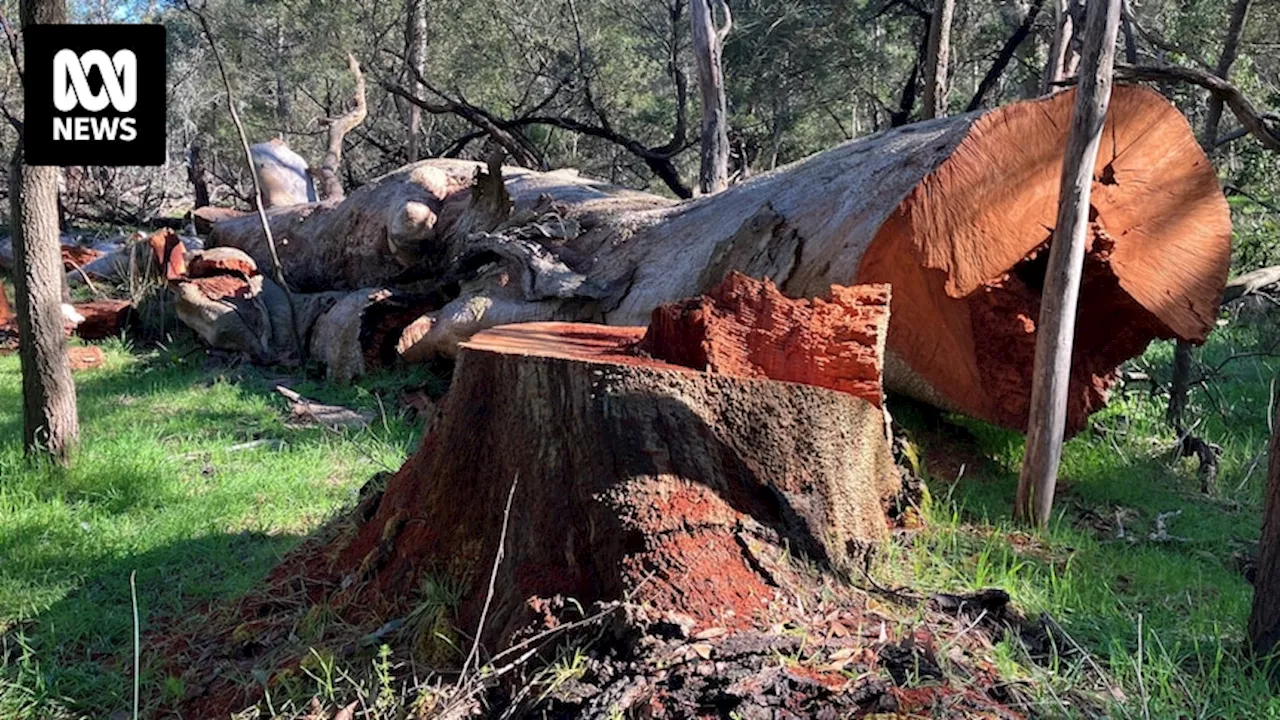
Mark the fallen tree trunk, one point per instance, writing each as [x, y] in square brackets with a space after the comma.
[632, 478]
[956, 214]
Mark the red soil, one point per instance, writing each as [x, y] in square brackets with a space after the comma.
[748, 328]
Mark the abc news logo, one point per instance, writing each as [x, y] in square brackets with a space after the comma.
[95, 95]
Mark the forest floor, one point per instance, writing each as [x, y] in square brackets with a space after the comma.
[1141, 567]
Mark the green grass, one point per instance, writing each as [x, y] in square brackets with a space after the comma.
[155, 489]
[1188, 594]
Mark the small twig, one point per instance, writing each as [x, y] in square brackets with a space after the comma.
[137, 644]
[1142, 687]
[1249, 473]
[92, 288]
[493, 579]
[1161, 533]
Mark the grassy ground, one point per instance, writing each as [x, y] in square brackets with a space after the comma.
[157, 490]
[1164, 617]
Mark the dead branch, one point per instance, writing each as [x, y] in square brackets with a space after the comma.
[505, 132]
[1244, 110]
[1005, 56]
[338, 129]
[1250, 283]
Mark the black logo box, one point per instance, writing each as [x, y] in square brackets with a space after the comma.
[41, 43]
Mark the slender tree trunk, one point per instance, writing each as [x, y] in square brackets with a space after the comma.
[1056, 330]
[1230, 48]
[282, 95]
[1060, 62]
[1180, 381]
[196, 174]
[708, 43]
[935, 81]
[415, 38]
[1053, 61]
[1126, 26]
[1264, 621]
[50, 423]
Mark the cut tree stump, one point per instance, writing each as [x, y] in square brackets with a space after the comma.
[633, 478]
[955, 214]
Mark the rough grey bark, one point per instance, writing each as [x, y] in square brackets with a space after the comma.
[415, 40]
[1056, 329]
[935, 80]
[1180, 381]
[49, 420]
[708, 44]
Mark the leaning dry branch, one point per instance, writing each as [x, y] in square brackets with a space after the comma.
[276, 267]
[1005, 56]
[1250, 283]
[1055, 334]
[338, 129]
[1244, 110]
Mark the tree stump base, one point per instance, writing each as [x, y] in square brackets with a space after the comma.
[633, 479]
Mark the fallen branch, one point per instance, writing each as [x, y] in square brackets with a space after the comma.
[1250, 283]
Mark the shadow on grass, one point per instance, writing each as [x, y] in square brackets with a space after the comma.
[154, 490]
[78, 653]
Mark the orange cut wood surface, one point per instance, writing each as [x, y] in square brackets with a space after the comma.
[965, 253]
[748, 328]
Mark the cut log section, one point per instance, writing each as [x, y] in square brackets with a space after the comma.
[954, 213]
[103, 318]
[633, 478]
